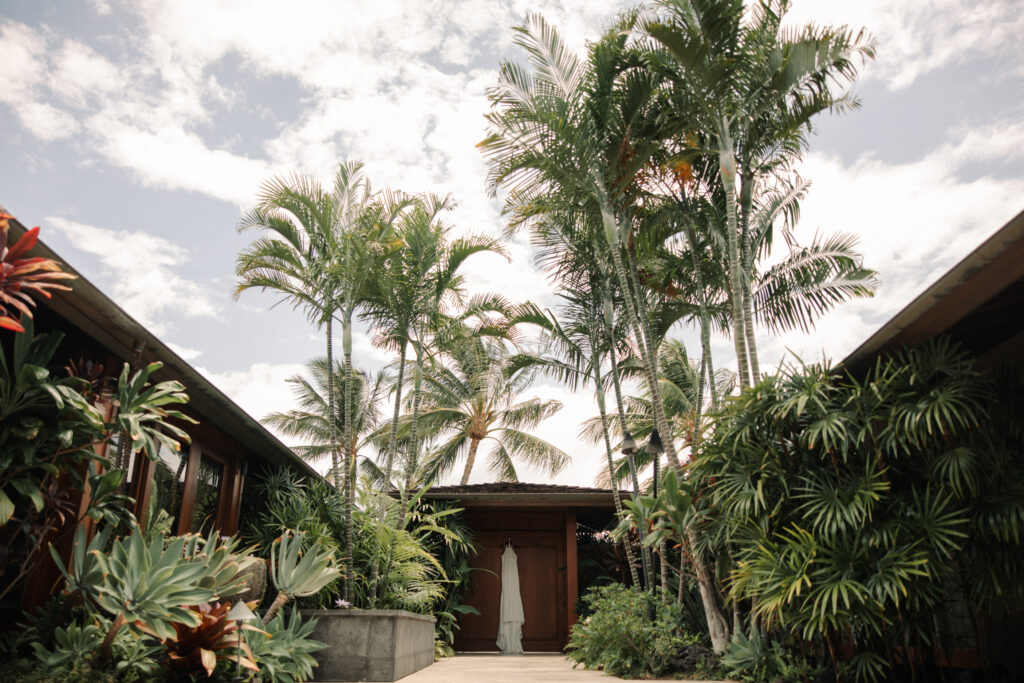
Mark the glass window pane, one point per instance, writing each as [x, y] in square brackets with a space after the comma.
[204, 513]
[168, 483]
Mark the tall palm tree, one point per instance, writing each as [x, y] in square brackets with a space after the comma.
[471, 399]
[411, 293]
[310, 420]
[571, 135]
[572, 353]
[303, 243]
[318, 248]
[752, 91]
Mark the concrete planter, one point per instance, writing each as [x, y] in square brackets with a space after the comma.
[371, 645]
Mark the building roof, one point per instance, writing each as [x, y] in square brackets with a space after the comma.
[515, 494]
[979, 302]
[98, 316]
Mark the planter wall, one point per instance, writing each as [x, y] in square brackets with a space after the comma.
[371, 645]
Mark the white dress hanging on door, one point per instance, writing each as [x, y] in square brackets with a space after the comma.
[511, 619]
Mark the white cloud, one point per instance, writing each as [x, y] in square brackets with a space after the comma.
[23, 53]
[79, 73]
[186, 353]
[914, 221]
[101, 7]
[169, 157]
[916, 38]
[142, 272]
[259, 389]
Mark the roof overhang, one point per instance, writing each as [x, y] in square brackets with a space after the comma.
[93, 312]
[510, 500]
[984, 284]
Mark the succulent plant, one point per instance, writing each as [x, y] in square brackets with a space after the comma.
[297, 574]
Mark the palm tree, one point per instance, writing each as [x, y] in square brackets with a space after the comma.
[295, 258]
[321, 246]
[472, 399]
[572, 353]
[752, 93]
[410, 294]
[310, 420]
[571, 136]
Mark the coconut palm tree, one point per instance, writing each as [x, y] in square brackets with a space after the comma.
[471, 399]
[310, 420]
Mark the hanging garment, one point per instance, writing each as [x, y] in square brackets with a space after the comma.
[511, 619]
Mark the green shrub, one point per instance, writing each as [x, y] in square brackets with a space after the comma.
[861, 508]
[283, 651]
[620, 637]
[757, 660]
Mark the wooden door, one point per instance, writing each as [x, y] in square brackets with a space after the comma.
[542, 583]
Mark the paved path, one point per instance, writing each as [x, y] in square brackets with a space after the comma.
[553, 668]
[540, 668]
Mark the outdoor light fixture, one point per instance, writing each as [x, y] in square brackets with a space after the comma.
[628, 444]
[240, 612]
[654, 446]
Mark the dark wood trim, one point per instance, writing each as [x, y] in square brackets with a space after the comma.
[188, 496]
[143, 488]
[572, 591]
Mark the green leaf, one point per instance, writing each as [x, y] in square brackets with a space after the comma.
[6, 508]
[27, 488]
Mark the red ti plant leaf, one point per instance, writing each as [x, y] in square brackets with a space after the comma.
[22, 277]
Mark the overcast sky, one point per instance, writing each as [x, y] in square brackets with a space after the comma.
[135, 133]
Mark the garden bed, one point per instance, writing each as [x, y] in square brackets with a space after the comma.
[371, 645]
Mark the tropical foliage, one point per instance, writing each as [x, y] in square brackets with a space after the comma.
[53, 428]
[21, 276]
[631, 634]
[866, 509]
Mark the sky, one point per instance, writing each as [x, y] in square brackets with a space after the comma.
[136, 133]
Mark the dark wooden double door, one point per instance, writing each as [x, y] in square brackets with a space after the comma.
[542, 581]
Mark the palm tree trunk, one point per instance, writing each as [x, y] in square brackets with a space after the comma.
[698, 409]
[645, 553]
[389, 457]
[705, 343]
[470, 459]
[681, 589]
[414, 436]
[637, 311]
[331, 410]
[705, 323]
[718, 627]
[727, 170]
[627, 546]
[663, 552]
[746, 205]
[350, 461]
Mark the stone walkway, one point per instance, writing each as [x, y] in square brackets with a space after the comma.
[537, 668]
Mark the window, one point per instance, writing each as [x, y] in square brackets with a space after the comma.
[168, 483]
[208, 489]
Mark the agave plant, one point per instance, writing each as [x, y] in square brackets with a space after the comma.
[298, 574]
[226, 564]
[71, 644]
[149, 586]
